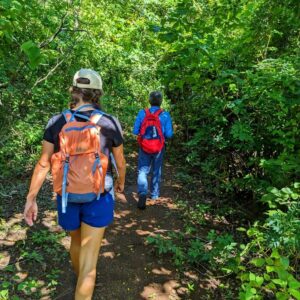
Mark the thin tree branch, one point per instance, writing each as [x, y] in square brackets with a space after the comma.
[267, 46]
[49, 73]
[75, 30]
[60, 28]
[59, 63]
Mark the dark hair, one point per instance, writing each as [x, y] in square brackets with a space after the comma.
[155, 98]
[87, 95]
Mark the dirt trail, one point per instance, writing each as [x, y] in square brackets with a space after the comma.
[127, 269]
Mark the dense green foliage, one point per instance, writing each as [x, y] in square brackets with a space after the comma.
[40, 56]
[230, 72]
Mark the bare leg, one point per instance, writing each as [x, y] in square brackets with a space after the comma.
[75, 249]
[91, 239]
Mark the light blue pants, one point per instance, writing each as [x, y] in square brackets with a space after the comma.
[145, 162]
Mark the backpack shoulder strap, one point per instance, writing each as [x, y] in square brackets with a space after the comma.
[96, 116]
[67, 115]
[158, 112]
[147, 112]
[78, 114]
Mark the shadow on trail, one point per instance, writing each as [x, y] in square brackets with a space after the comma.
[127, 269]
[127, 264]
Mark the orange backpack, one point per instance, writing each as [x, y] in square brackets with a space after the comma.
[79, 168]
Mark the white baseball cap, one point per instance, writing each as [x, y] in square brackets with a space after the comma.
[95, 81]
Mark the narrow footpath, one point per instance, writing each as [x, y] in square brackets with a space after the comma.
[127, 268]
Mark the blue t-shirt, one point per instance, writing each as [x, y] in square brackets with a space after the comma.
[164, 117]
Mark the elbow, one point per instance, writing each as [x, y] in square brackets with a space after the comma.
[44, 164]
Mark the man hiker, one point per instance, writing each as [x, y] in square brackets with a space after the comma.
[152, 126]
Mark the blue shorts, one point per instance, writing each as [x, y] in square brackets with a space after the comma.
[97, 213]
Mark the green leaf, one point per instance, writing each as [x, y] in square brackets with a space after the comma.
[270, 269]
[242, 268]
[241, 132]
[249, 293]
[285, 262]
[294, 284]
[295, 293]
[282, 274]
[271, 286]
[269, 261]
[287, 190]
[252, 277]
[241, 229]
[275, 254]
[4, 294]
[267, 276]
[244, 276]
[32, 52]
[280, 282]
[282, 296]
[259, 280]
[258, 262]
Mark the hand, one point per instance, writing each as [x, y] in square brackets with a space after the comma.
[119, 187]
[30, 211]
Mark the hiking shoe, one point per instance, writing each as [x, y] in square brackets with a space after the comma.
[142, 202]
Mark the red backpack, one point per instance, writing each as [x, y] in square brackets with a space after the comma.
[151, 138]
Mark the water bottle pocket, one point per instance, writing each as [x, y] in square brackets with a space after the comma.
[109, 183]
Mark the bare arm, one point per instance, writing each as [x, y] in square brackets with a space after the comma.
[118, 153]
[39, 175]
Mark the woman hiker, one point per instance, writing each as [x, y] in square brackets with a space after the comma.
[81, 145]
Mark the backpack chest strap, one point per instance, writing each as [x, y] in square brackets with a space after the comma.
[69, 116]
[94, 118]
